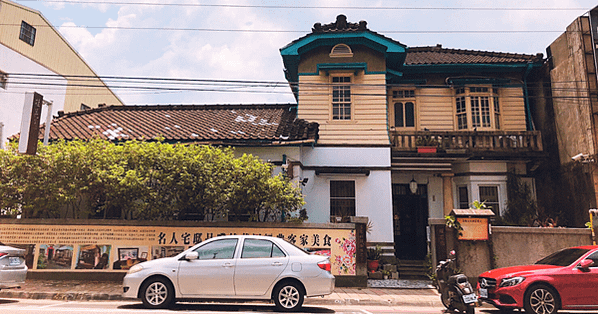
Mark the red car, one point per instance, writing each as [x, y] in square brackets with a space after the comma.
[567, 279]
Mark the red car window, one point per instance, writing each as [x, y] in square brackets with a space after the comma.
[562, 258]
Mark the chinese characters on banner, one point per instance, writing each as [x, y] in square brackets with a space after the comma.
[120, 247]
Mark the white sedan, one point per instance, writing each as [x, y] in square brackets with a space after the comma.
[240, 267]
[13, 269]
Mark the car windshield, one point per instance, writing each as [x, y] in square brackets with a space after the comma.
[562, 258]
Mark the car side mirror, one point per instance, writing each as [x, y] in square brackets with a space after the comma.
[191, 256]
[585, 264]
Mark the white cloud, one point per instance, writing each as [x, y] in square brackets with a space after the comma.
[255, 56]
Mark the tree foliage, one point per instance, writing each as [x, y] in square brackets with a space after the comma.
[522, 208]
[142, 180]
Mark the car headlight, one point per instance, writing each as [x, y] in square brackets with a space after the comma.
[135, 268]
[509, 282]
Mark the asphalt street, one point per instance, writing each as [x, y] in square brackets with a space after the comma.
[30, 306]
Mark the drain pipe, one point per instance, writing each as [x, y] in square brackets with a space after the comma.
[530, 122]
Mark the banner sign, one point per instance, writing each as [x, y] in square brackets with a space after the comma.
[117, 248]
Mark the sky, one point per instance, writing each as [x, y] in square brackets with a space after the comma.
[240, 40]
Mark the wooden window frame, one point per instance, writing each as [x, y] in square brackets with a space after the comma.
[494, 205]
[27, 33]
[347, 105]
[403, 96]
[346, 198]
[477, 108]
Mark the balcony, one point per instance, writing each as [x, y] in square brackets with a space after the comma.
[470, 141]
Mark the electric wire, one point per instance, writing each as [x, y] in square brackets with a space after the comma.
[292, 7]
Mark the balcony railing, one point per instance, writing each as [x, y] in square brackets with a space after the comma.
[500, 141]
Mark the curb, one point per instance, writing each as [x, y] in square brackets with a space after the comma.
[74, 296]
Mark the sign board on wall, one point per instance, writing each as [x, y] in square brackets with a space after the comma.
[117, 248]
[473, 228]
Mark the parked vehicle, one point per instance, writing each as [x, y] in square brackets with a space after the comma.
[232, 267]
[566, 279]
[13, 269]
[456, 292]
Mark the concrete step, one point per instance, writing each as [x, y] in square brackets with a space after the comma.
[412, 269]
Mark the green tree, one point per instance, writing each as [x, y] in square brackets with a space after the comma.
[142, 180]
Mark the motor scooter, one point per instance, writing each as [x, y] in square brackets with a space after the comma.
[456, 292]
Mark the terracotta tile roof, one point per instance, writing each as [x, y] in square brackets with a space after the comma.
[439, 55]
[219, 124]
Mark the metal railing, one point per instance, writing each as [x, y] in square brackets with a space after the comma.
[518, 141]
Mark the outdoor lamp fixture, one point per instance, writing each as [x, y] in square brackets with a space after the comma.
[413, 186]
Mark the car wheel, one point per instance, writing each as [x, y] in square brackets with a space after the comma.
[541, 299]
[288, 296]
[157, 293]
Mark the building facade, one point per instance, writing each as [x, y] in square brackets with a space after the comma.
[35, 57]
[567, 113]
[376, 100]
[400, 135]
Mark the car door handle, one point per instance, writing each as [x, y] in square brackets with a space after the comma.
[276, 264]
[227, 265]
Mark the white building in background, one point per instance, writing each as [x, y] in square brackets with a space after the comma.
[35, 57]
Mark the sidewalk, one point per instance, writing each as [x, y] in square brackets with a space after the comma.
[410, 293]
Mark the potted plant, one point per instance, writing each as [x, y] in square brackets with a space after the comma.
[373, 257]
[386, 273]
[426, 144]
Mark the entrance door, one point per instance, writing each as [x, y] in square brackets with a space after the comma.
[410, 213]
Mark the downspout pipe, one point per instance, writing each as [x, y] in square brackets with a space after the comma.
[528, 112]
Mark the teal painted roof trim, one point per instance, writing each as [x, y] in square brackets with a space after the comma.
[394, 52]
[327, 67]
[472, 80]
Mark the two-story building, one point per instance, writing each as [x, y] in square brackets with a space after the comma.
[376, 100]
[365, 102]
[35, 57]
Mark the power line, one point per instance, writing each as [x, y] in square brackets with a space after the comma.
[284, 7]
[221, 30]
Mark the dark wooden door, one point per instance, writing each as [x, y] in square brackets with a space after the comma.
[410, 213]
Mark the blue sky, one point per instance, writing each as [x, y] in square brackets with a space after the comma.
[179, 45]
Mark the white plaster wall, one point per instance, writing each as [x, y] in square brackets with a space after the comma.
[13, 97]
[484, 177]
[346, 156]
[373, 192]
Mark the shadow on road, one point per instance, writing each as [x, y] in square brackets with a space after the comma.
[230, 308]
[496, 311]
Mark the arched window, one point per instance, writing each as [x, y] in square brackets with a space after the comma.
[404, 108]
[341, 50]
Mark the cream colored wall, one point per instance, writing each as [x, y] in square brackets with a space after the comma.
[368, 126]
[52, 51]
[435, 109]
[512, 107]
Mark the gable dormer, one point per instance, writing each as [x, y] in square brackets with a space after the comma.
[338, 75]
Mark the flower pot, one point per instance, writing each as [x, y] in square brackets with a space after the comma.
[426, 149]
[373, 265]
